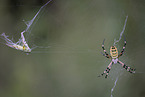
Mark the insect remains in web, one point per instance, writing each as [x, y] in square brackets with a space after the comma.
[22, 44]
[114, 59]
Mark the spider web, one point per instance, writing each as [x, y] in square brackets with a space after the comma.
[115, 41]
[71, 63]
[32, 22]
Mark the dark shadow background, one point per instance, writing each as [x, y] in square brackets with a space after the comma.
[75, 30]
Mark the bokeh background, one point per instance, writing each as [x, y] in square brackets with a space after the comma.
[69, 34]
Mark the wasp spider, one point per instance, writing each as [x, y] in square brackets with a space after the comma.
[114, 57]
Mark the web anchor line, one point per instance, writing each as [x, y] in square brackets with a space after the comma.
[115, 41]
[114, 86]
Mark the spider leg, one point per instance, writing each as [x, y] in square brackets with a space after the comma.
[106, 54]
[123, 48]
[126, 67]
[107, 70]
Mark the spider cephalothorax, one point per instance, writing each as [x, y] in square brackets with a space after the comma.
[114, 58]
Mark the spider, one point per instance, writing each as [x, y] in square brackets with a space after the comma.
[114, 57]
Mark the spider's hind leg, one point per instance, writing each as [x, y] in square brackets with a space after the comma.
[107, 70]
[129, 69]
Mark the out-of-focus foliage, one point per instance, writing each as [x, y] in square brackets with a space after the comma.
[75, 30]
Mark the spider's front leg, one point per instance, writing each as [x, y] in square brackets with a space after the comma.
[107, 70]
[123, 48]
[106, 54]
[126, 67]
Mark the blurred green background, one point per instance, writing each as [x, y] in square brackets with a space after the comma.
[74, 30]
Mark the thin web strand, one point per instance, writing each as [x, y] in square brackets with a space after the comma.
[115, 41]
[29, 23]
[114, 86]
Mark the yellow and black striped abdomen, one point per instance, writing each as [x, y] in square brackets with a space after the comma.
[113, 52]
